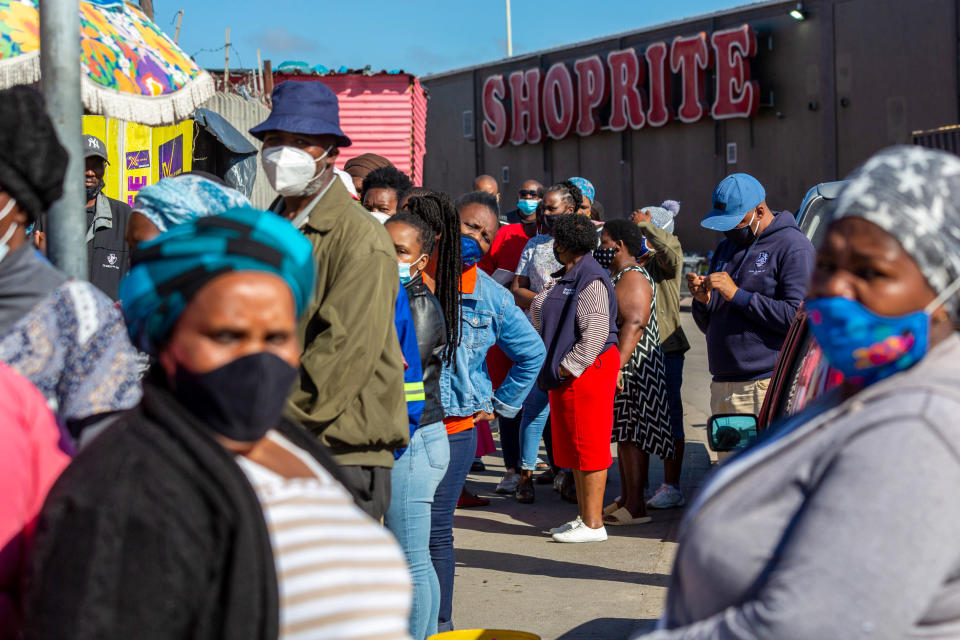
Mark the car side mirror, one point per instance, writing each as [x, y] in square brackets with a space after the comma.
[731, 432]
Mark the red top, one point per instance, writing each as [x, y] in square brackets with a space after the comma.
[506, 249]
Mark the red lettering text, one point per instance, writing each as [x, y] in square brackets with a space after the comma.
[626, 103]
[525, 88]
[737, 95]
[559, 102]
[592, 91]
[496, 122]
[690, 56]
[659, 113]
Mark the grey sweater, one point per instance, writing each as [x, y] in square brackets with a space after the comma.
[844, 525]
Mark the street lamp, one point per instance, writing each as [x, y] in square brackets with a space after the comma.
[797, 13]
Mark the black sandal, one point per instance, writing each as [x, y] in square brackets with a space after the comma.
[568, 489]
[546, 477]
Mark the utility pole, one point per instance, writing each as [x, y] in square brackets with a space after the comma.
[509, 33]
[226, 64]
[259, 73]
[60, 83]
[176, 34]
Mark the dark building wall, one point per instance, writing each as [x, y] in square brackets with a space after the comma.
[856, 76]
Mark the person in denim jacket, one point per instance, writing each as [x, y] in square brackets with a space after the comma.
[489, 317]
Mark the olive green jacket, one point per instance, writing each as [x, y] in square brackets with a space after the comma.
[666, 269]
[350, 391]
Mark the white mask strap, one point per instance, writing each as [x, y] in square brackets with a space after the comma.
[948, 293]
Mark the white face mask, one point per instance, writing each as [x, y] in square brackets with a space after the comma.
[292, 171]
[4, 247]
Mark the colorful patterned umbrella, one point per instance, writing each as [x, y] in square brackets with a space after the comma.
[131, 69]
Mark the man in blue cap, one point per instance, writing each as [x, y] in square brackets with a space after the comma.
[351, 388]
[758, 278]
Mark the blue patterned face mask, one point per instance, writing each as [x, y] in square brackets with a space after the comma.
[865, 346]
[470, 251]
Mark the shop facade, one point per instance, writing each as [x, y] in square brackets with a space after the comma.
[667, 112]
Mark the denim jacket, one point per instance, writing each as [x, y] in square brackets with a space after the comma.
[490, 317]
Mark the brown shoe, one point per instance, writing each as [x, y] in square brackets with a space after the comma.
[525, 493]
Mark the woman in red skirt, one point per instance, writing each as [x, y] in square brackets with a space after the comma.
[576, 316]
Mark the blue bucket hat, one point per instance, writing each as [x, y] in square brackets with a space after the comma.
[307, 107]
[732, 199]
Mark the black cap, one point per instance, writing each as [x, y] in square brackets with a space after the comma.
[93, 146]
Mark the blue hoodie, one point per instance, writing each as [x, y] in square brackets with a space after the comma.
[744, 336]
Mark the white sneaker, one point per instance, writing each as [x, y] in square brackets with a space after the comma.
[667, 497]
[581, 533]
[566, 526]
[509, 483]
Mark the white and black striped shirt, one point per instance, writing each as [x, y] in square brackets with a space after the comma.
[593, 320]
[340, 574]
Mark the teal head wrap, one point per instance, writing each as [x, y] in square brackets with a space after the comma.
[169, 270]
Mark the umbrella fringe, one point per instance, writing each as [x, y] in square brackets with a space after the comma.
[22, 69]
[149, 110]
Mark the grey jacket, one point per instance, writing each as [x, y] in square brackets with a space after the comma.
[842, 525]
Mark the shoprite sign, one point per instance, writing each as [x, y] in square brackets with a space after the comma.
[637, 88]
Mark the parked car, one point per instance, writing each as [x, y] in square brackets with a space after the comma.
[801, 374]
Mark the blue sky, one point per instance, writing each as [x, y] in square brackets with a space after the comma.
[418, 36]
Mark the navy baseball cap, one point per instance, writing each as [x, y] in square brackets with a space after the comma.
[308, 107]
[94, 146]
[732, 199]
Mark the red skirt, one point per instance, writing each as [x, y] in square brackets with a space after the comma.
[581, 415]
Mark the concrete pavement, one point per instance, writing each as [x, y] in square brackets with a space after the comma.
[511, 575]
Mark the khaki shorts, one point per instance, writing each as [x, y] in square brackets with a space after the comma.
[738, 397]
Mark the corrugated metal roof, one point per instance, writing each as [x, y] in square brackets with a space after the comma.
[383, 114]
[245, 114]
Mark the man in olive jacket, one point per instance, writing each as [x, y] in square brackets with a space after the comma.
[350, 391]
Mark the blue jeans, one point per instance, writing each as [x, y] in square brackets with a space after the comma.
[673, 362]
[536, 410]
[463, 446]
[414, 481]
[510, 441]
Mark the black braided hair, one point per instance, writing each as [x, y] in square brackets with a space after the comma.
[437, 210]
[387, 178]
[569, 192]
[628, 232]
[425, 235]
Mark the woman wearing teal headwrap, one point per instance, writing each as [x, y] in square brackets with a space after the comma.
[172, 502]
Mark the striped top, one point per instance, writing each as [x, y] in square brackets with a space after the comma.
[593, 320]
[340, 574]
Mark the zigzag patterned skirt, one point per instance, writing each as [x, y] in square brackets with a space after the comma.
[641, 414]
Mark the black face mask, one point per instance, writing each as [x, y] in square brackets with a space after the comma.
[93, 191]
[743, 235]
[241, 400]
[604, 257]
[548, 223]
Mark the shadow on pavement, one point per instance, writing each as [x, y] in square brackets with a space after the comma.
[608, 628]
[529, 565]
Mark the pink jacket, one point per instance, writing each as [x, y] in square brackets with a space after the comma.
[30, 461]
